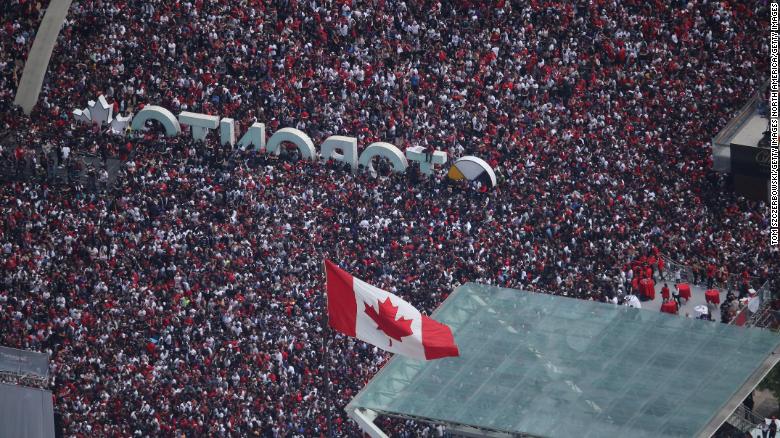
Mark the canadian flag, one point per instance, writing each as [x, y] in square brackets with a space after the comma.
[370, 314]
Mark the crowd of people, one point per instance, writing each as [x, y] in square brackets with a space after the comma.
[188, 295]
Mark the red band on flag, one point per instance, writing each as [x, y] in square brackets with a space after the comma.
[342, 306]
[437, 339]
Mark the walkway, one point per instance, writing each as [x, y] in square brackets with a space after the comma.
[697, 299]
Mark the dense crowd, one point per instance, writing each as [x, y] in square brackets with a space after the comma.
[188, 296]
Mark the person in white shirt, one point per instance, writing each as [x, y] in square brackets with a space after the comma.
[65, 153]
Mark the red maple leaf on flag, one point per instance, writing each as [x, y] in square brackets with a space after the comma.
[385, 320]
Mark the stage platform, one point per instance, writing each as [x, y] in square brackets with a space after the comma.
[745, 128]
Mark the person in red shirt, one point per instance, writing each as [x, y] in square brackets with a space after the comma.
[665, 292]
[710, 275]
[19, 154]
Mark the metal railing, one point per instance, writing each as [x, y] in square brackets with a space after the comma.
[765, 316]
[29, 380]
[686, 276]
[81, 171]
[744, 419]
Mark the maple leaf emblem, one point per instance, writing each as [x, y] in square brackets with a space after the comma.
[101, 112]
[386, 322]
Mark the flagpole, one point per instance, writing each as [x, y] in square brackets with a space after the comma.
[325, 352]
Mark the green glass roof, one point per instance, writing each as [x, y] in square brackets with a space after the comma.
[552, 366]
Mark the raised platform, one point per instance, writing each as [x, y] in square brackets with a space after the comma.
[752, 131]
[548, 366]
[26, 412]
[745, 128]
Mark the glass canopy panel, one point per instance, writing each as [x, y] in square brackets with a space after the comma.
[551, 366]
